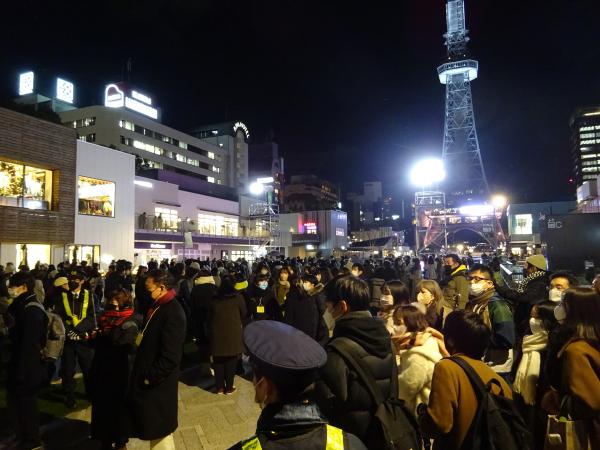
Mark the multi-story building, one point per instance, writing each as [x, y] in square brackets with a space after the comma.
[585, 144]
[266, 162]
[310, 193]
[232, 138]
[315, 232]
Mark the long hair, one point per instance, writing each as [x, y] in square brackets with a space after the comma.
[398, 290]
[433, 287]
[583, 314]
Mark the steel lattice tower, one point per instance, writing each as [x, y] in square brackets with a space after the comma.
[462, 159]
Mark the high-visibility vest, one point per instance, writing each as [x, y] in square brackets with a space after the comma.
[74, 319]
[335, 440]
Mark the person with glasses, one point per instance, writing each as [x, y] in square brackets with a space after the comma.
[498, 317]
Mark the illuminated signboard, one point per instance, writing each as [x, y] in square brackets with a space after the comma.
[117, 95]
[65, 90]
[244, 128]
[310, 228]
[158, 246]
[26, 83]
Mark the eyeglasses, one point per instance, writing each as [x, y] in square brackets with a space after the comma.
[477, 279]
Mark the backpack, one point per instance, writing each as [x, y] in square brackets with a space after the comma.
[55, 334]
[392, 426]
[497, 424]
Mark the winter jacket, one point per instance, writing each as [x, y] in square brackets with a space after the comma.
[456, 292]
[342, 398]
[109, 380]
[76, 306]
[116, 281]
[304, 311]
[225, 323]
[203, 294]
[26, 370]
[282, 288]
[261, 304]
[295, 426]
[416, 372]
[155, 375]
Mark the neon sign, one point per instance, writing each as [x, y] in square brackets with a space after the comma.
[115, 96]
[310, 228]
[244, 128]
[65, 90]
[26, 83]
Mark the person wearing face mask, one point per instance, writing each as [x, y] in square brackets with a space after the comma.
[456, 285]
[497, 316]
[285, 364]
[393, 294]
[340, 393]
[530, 382]
[559, 283]
[26, 370]
[261, 301]
[305, 307]
[114, 346]
[529, 292]
[358, 270]
[75, 306]
[153, 396]
[430, 296]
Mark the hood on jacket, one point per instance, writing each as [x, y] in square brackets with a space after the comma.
[204, 280]
[429, 350]
[459, 269]
[316, 290]
[365, 330]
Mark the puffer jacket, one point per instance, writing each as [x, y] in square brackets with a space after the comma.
[342, 398]
[415, 373]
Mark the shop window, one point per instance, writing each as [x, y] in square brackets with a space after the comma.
[96, 197]
[523, 224]
[218, 225]
[169, 218]
[25, 186]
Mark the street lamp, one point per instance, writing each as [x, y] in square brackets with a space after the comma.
[425, 174]
[499, 201]
[257, 188]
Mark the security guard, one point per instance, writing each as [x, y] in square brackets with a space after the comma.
[285, 363]
[76, 307]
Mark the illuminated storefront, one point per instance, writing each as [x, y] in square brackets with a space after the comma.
[96, 197]
[218, 224]
[30, 254]
[80, 252]
[25, 186]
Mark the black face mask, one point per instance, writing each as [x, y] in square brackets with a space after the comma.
[73, 285]
[110, 307]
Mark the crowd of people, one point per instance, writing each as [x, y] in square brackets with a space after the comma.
[328, 344]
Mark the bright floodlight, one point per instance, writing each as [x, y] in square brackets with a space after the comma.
[499, 201]
[476, 210]
[427, 172]
[256, 188]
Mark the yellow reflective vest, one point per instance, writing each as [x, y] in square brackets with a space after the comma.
[335, 440]
[74, 319]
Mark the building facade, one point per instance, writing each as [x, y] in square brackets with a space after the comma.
[37, 189]
[585, 144]
[315, 232]
[310, 193]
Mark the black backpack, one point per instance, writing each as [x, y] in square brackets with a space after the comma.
[392, 426]
[497, 424]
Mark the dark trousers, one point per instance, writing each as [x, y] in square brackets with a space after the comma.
[224, 367]
[24, 418]
[73, 353]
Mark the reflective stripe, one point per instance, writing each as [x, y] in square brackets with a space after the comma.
[335, 439]
[252, 444]
[75, 320]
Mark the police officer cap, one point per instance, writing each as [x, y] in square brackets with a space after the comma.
[281, 351]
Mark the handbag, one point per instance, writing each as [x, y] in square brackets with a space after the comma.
[565, 433]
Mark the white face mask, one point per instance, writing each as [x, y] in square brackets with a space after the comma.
[386, 300]
[306, 286]
[536, 325]
[560, 313]
[399, 330]
[476, 289]
[355, 273]
[12, 293]
[555, 295]
[425, 298]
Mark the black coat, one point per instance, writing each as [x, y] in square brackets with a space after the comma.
[258, 298]
[225, 323]
[26, 370]
[76, 306]
[155, 375]
[109, 380]
[304, 311]
[342, 398]
[200, 299]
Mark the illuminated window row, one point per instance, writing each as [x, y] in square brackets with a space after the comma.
[590, 141]
[161, 137]
[590, 155]
[591, 169]
[85, 122]
[590, 163]
[87, 137]
[587, 135]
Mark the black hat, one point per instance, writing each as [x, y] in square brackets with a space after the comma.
[284, 354]
[78, 275]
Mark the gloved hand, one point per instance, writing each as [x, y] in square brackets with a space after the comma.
[72, 335]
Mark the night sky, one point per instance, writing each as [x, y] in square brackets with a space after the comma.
[349, 89]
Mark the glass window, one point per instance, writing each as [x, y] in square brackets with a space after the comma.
[218, 225]
[166, 218]
[210, 179]
[180, 158]
[25, 186]
[523, 224]
[211, 155]
[96, 197]
[339, 232]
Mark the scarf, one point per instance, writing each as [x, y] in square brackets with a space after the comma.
[204, 280]
[162, 300]
[523, 284]
[529, 368]
[114, 319]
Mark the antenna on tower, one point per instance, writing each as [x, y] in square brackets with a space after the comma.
[128, 66]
